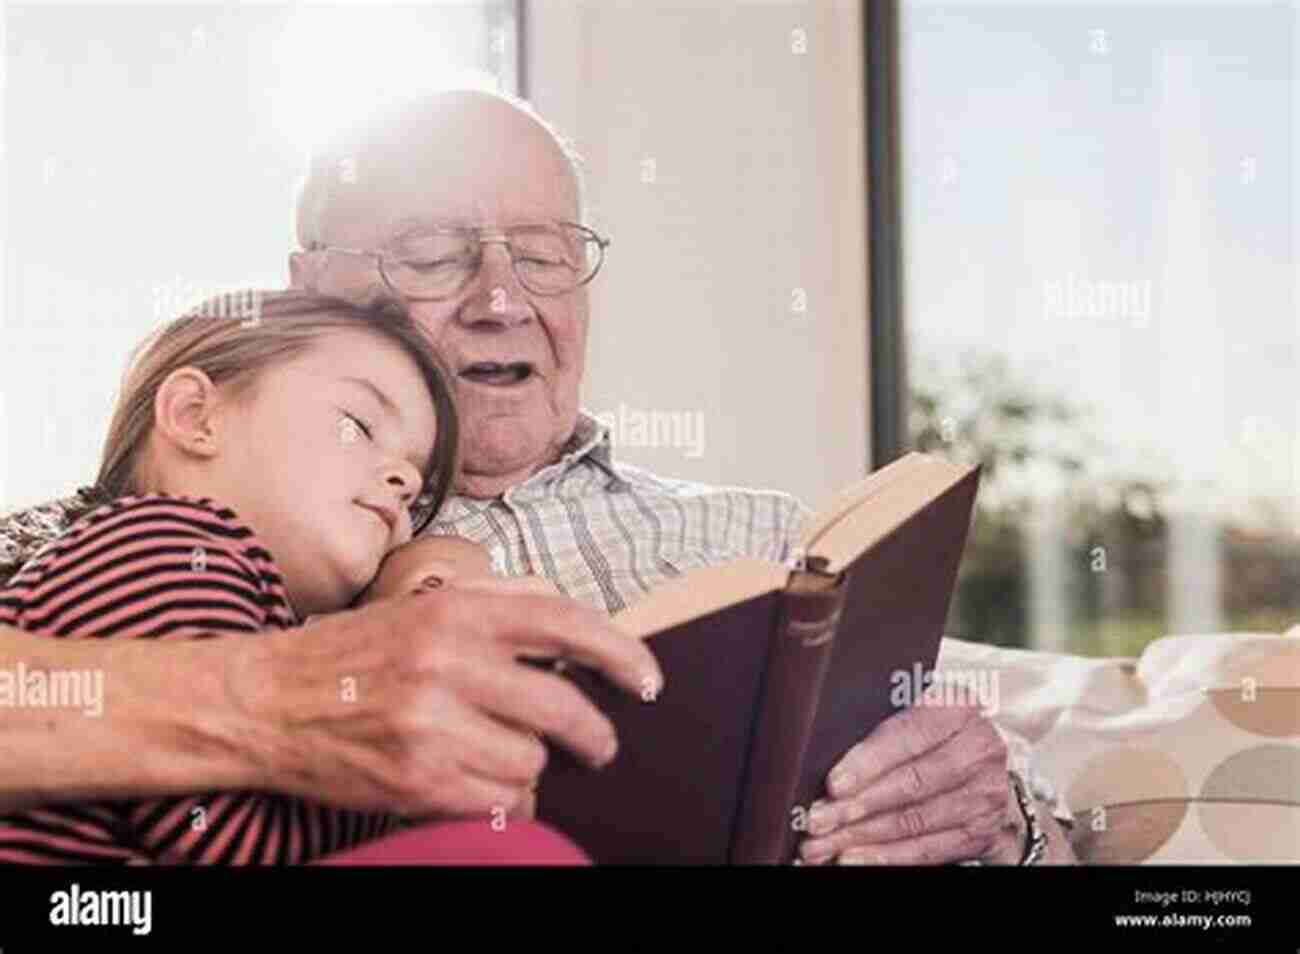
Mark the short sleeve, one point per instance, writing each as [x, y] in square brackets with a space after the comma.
[151, 568]
[10, 604]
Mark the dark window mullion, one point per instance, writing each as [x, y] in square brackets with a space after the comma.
[886, 355]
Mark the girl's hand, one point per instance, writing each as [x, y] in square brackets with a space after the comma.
[431, 562]
[426, 564]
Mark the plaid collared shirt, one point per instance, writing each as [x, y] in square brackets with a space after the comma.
[607, 533]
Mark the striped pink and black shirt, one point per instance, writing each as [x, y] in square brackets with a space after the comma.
[160, 567]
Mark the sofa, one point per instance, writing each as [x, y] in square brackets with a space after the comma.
[1187, 754]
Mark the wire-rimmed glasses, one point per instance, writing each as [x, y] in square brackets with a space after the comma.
[437, 263]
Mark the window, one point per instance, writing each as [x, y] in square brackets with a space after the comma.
[150, 157]
[1098, 272]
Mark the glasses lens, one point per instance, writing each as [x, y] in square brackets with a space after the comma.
[433, 265]
[551, 260]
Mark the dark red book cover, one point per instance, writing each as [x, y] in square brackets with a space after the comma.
[761, 699]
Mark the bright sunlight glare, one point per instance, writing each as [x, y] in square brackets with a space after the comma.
[336, 63]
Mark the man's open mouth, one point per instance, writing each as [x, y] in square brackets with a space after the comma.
[497, 373]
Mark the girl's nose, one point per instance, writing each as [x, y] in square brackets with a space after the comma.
[405, 479]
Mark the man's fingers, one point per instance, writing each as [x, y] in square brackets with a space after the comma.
[980, 808]
[479, 796]
[976, 833]
[899, 740]
[444, 712]
[940, 848]
[554, 626]
[541, 702]
[527, 806]
[976, 750]
[510, 755]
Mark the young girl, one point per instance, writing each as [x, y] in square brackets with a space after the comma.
[256, 472]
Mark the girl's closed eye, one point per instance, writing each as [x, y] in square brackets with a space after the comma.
[351, 422]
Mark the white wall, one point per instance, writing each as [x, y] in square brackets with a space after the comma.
[747, 119]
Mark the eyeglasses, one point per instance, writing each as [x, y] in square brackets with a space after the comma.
[434, 264]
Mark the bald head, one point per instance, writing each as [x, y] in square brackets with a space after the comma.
[438, 149]
[461, 159]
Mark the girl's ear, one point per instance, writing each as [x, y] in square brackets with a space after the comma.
[184, 412]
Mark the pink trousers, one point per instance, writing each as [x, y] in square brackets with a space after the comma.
[466, 843]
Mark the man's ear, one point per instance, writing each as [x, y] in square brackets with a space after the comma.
[363, 287]
[184, 413]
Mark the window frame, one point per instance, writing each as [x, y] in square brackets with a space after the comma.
[886, 354]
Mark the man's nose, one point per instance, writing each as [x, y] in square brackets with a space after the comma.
[496, 297]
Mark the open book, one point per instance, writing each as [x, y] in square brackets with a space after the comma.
[772, 673]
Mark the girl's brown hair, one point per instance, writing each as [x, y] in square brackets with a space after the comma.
[232, 346]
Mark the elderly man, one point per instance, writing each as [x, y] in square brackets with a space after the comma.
[465, 210]
[455, 209]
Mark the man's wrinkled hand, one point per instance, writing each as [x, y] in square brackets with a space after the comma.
[928, 786]
[422, 705]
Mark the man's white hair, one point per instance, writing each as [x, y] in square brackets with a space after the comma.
[314, 189]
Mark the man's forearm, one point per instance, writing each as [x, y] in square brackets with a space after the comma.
[168, 723]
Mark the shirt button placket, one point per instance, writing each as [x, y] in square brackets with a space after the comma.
[527, 553]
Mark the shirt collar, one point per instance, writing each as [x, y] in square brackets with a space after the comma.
[590, 439]
[590, 442]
